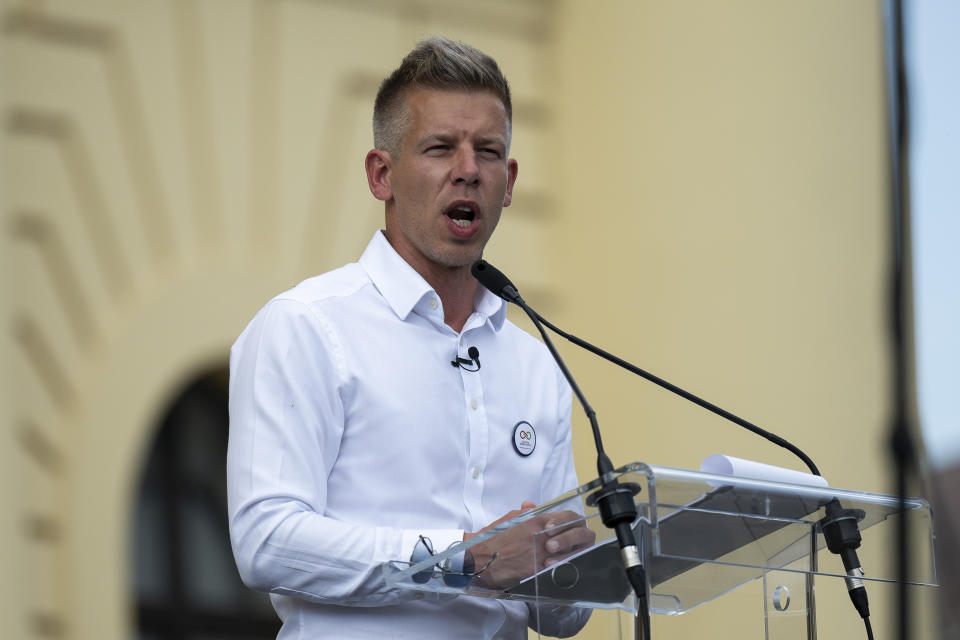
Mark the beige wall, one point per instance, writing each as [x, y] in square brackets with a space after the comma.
[722, 167]
[712, 174]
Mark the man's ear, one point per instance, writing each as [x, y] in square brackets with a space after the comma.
[378, 164]
[512, 169]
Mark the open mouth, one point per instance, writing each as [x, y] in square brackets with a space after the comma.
[462, 215]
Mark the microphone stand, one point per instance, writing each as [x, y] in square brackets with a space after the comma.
[901, 436]
[839, 526]
[614, 501]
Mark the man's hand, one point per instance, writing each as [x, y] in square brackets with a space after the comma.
[513, 555]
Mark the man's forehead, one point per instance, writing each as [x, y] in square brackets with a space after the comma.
[438, 109]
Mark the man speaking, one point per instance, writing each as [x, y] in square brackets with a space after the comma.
[390, 403]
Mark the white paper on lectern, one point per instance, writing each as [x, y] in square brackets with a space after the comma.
[730, 466]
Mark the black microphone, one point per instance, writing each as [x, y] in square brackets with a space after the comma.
[463, 363]
[494, 280]
[613, 500]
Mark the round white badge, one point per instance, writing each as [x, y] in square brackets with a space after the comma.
[524, 438]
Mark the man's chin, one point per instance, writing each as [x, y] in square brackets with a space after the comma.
[459, 259]
[457, 265]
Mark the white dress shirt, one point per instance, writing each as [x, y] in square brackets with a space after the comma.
[351, 435]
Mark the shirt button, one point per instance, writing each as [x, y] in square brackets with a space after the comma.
[473, 403]
[433, 303]
[476, 472]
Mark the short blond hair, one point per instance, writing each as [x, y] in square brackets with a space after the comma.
[435, 63]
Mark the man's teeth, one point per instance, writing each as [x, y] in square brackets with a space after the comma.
[467, 216]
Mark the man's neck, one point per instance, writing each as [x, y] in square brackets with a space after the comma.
[456, 289]
[455, 286]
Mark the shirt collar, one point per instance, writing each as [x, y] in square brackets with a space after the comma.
[403, 288]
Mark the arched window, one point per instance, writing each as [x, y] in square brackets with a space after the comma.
[186, 582]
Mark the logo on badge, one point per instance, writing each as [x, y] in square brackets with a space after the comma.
[524, 438]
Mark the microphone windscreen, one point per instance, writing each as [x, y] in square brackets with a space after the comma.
[492, 278]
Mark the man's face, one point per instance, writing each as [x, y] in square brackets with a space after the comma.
[448, 182]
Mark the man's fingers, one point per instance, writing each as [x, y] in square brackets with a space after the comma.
[559, 523]
[573, 538]
[525, 506]
[562, 517]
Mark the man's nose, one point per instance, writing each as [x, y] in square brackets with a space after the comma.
[466, 169]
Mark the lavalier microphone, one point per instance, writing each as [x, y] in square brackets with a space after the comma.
[467, 363]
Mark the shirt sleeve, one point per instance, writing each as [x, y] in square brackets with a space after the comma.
[286, 421]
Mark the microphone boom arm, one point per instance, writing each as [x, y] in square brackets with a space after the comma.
[613, 500]
[709, 406]
[604, 465]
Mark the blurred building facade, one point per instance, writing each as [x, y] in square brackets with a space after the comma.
[712, 176]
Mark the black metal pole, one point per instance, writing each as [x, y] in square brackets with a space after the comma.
[901, 438]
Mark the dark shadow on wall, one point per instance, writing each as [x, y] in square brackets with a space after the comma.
[186, 583]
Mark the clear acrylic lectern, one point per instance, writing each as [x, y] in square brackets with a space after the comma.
[702, 535]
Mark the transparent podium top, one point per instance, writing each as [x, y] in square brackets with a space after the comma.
[701, 536]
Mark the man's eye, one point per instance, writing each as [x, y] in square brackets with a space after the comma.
[437, 148]
[490, 152]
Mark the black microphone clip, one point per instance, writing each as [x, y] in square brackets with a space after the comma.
[464, 363]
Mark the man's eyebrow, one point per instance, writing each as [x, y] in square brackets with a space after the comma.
[492, 140]
[450, 138]
[440, 136]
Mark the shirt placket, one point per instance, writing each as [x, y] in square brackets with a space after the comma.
[477, 442]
